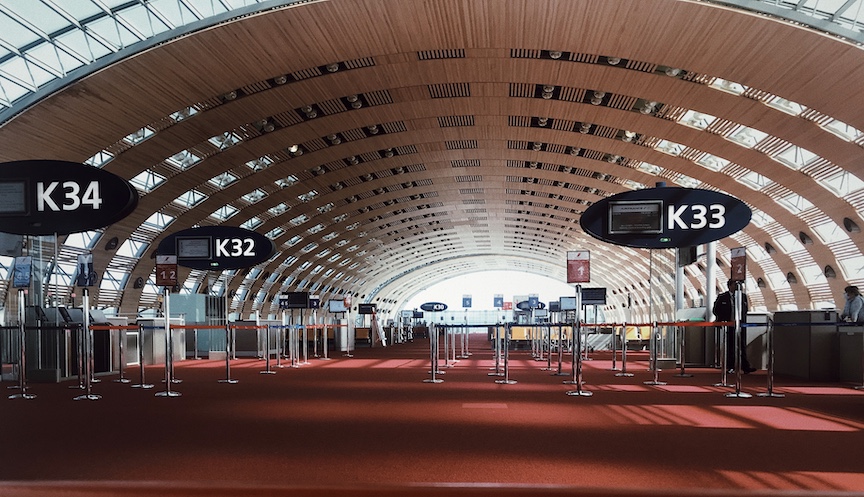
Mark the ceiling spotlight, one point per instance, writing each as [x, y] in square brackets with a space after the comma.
[373, 129]
[332, 67]
[532, 164]
[613, 158]
[575, 151]
[231, 95]
[613, 61]
[293, 148]
[648, 107]
[266, 125]
[334, 139]
[353, 160]
[337, 186]
[280, 80]
[351, 98]
[542, 121]
[537, 146]
[672, 72]
[555, 54]
[388, 153]
[584, 128]
[356, 105]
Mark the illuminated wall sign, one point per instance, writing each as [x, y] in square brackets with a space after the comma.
[434, 306]
[665, 217]
[217, 247]
[43, 197]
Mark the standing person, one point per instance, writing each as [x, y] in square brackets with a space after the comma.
[853, 311]
[724, 310]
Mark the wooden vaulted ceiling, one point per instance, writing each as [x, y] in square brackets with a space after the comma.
[444, 137]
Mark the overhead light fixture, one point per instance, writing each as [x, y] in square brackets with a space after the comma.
[280, 80]
[334, 139]
[388, 153]
[598, 97]
[584, 128]
[231, 95]
[555, 54]
[373, 129]
[672, 72]
[332, 67]
[575, 151]
[353, 160]
[542, 121]
[293, 148]
[310, 112]
[537, 146]
[613, 61]
[547, 91]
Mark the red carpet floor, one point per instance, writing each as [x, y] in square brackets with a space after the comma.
[371, 420]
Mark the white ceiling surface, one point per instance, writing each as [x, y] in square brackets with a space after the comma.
[441, 165]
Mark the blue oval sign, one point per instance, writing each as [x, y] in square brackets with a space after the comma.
[217, 247]
[525, 305]
[665, 217]
[434, 306]
[43, 197]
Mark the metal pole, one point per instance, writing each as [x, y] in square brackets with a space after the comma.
[228, 348]
[122, 339]
[433, 355]
[88, 333]
[577, 357]
[771, 392]
[22, 357]
[560, 350]
[169, 352]
[738, 297]
[508, 332]
[682, 351]
[141, 383]
[655, 338]
[628, 316]
[305, 340]
[614, 349]
[496, 348]
[267, 340]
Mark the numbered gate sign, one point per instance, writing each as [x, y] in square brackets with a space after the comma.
[217, 247]
[43, 197]
[665, 217]
[166, 270]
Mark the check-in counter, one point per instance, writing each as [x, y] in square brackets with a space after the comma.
[850, 352]
[804, 344]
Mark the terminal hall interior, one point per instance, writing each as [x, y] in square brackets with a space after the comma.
[384, 146]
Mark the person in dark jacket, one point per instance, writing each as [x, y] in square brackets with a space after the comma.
[724, 307]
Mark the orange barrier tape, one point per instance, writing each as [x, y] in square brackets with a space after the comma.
[249, 327]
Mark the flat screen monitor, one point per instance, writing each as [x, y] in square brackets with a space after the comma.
[541, 313]
[366, 308]
[567, 303]
[294, 300]
[635, 217]
[417, 315]
[593, 296]
[336, 305]
[554, 306]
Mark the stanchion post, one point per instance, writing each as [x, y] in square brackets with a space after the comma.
[267, 340]
[508, 332]
[655, 339]
[88, 333]
[560, 372]
[623, 372]
[614, 349]
[496, 348]
[433, 355]
[228, 347]
[169, 351]
[141, 383]
[577, 348]
[122, 332]
[771, 392]
[22, 350]
[682, 351]
[738, 298]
